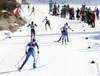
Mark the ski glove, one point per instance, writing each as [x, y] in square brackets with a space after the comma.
[26, 53]
[72, 30]
[38, 52]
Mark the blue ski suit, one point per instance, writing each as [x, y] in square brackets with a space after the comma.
[30, 52]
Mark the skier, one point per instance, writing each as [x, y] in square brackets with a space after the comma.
[65, 27]
[30, 52]
[47, 22]
[32, 25]
[64, 34]
[33, 10]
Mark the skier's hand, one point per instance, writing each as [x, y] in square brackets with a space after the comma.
[26, 53]
[72, 30]
[38, 52]
[28, 25]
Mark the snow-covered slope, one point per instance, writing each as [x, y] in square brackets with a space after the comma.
[73, 59]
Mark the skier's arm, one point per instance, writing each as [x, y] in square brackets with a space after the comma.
[70, 29]
[44, 20]
[61, 28]
[37, 47]
[28, 25]
[35, 25]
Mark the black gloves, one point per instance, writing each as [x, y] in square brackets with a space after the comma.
[38, 52]
[26, 53]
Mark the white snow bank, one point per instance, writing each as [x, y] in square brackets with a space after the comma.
[19, 1]
[4, 35]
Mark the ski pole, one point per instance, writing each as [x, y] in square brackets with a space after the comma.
[37, 58]
[20, 59]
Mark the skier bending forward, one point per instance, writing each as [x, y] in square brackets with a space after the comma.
[30, 52]
[65, 33]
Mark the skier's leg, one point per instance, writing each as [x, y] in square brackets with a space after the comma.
[59, 39]
[62, 39]
[49, 25]
[27, 57]
[31, 34]
[34, 32]
[45, 26]
[67, 38]
[65, 42]
[34, 59]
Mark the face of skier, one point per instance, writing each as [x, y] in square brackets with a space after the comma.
[65, 25]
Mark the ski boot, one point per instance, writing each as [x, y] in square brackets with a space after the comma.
[65, 42]
[34, 66]
[45, 28]
[19, 69]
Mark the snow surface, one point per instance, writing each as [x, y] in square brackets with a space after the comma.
[73, 59]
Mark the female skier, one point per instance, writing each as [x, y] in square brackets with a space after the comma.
[47, 22]
[32, 25]
[30, 52]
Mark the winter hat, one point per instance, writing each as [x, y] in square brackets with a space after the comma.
[32, 22]
[66, 23]
[34, 39]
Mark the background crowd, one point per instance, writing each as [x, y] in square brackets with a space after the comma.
[84, 13]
